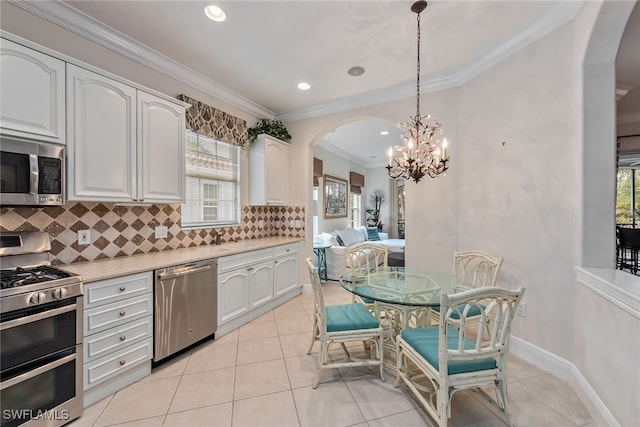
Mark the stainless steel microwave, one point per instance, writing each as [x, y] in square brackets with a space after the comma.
[31, 173]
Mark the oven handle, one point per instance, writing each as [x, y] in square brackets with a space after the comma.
[35, 317]
[35, 372]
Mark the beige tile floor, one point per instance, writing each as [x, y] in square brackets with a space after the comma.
[260, 375]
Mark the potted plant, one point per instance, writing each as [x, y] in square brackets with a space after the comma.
[375, 199]
[273, 128]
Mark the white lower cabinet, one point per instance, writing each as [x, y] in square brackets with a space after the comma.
[285, 268]
[118, 334]
[244, 282]
[252, 283]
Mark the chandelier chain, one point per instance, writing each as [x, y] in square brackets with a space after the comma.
[418, 71]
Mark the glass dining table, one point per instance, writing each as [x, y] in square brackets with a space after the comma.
[401, 299]
[399, 286]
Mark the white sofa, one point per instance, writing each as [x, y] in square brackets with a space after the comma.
[336, 255]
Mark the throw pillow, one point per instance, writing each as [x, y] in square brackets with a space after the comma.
[372, 233]
[363, 230]
[350, 236]
[339, 239]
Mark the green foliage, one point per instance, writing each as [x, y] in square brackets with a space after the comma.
[624, 210]
[274, 128]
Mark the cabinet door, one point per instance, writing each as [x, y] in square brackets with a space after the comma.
[285, 274]
[261, 284]
[277, 171]
[101, 137]
[33, 91]
[161, 128]
[233, 294]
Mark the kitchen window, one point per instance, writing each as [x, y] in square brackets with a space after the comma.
[213, 182]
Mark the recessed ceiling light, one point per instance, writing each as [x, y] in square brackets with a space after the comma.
[304, 86]
[356, 71]
[384, 132]
[215, 13]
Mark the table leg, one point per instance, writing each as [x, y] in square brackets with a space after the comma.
[394, 319]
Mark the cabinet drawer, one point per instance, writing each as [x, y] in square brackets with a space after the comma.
[103, 343]
[116, 289]
[110, 315]
[247, 259]
[113, 364]
[283, 250]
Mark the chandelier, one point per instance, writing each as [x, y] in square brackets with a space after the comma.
[424, 153]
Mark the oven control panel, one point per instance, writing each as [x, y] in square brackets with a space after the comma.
[40, 297]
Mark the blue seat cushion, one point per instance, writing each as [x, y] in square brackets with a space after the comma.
[347, 317]
[365, 289]
[474, 310]
[425, 342]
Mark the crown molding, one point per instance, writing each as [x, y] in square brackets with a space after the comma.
[73, 20]
[560, 15]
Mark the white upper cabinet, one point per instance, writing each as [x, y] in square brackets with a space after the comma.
[124, 145]
[268, 171]
[101, 155]
[32, 85]
[161, 130]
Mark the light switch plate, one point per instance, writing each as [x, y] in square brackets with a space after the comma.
[84, 237]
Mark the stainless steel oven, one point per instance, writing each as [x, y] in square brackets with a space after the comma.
[31, 173]
[40, 335]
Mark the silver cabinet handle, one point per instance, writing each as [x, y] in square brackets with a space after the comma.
[122, 338]
[122, 362]
[122, 289]
[122, 313]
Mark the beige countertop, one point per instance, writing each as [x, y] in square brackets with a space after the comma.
[105, 269]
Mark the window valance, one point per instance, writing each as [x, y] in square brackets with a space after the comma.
[317, 171]
[213, 123]
[357, 182]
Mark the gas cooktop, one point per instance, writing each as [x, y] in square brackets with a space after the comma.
[29, 276]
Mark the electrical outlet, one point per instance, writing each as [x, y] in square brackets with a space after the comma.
[161, 232]
[260, 224]
[84, 237]
[522, 309]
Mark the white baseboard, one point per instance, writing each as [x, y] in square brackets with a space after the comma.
[566, 371]
[543, 359]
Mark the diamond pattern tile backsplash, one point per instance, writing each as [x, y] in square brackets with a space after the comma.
[118, 230]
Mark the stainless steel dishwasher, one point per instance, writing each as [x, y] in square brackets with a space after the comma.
[186, 306]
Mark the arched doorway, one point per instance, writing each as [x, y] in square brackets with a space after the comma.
[599, 134]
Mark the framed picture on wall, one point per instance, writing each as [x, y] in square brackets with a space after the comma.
[335, 197]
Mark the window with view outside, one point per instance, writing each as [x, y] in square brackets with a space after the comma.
[627, 197]
[356, 215]
[213, 182]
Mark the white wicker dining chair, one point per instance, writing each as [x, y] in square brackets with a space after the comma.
[477, 269]
[341, 324]
[364, 259]
[436, 362]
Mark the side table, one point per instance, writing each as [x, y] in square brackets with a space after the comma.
[319, 251]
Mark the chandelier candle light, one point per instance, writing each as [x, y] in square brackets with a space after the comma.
[423, 152]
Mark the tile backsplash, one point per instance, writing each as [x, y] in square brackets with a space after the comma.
[119, 230]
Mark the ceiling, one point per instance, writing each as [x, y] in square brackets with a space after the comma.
[255, 59]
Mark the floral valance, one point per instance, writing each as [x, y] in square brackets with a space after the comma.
[210, 122]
